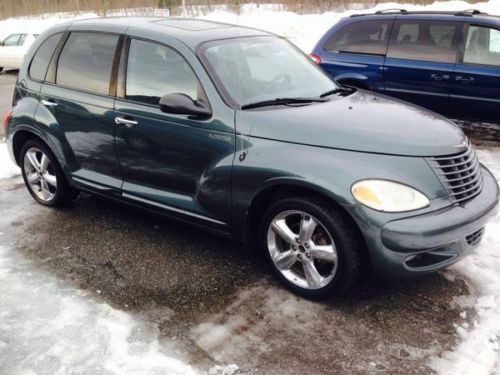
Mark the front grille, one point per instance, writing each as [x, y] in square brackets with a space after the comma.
[474, 238]
[460, 174]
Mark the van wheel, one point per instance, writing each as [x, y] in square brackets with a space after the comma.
[44, 177]
[311, 247]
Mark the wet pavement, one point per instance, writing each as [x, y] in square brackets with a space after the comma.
[216, 301]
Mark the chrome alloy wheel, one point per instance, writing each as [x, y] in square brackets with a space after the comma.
[40, 174]
[302, 249]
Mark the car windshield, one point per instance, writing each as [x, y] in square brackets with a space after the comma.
[258, 69]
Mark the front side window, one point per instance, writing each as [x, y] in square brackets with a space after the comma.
[11, 40]
[86, 61]
[366, 37]
[41, 60]
[154, 70]
[482, 46]
[263, 68]
[424, 40]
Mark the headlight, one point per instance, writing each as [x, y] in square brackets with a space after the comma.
[388, 196]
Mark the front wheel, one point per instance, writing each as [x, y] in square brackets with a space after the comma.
[44, 177]
[311, 246]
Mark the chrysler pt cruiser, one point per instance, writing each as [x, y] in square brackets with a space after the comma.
[236, 131]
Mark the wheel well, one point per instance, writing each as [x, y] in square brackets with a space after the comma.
[20, 138]
[355, 83]
[273, 193]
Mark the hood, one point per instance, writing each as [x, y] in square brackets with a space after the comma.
[362, 121]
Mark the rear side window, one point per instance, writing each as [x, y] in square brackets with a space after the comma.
[154, 70]
[86, 61]
[482, 46]
[424, 40]
[366, 37]
[41, 60]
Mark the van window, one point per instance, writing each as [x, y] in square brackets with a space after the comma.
[41, 60]
[424, 40]
[482, 46]
[367, 37]
[86, 61]
[154, 70]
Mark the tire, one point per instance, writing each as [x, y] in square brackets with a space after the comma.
[46, 182]
[339, 272]
[1, 69]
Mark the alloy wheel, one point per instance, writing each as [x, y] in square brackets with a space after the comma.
[40, 174]
[302, 249]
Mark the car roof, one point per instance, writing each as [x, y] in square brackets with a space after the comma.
[438, 15]
[189, 31]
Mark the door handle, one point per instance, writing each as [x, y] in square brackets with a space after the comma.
[464, 79]
[49, 103]
[440, 77]
[123, 121]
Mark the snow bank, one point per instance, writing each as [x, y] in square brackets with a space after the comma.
[7, 167]
[479, 349]
[48, 327]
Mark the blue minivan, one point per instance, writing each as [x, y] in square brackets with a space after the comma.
[446, 62]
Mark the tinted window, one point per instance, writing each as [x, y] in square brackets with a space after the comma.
[424, 40]
[154, 70]
[42, 57]
[482, 46]
[369, 37]
[11, 40]
[86, 61]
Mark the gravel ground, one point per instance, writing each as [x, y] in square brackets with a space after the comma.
[215, 299]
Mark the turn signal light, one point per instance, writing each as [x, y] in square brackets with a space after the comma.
[315, 58]
[7, 118]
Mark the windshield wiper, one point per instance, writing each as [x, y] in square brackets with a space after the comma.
[347, 90]
[282, 101]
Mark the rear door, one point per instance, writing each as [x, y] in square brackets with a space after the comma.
[79, 96]
[179, 164]
[476, 85]
[357, 52]
[421, 60]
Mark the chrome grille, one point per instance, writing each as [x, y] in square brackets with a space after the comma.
[460, 174]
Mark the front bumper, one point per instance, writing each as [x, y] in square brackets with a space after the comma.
[435, 240]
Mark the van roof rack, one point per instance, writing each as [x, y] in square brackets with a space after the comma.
[391, 10]
[462, 13]
[468, 12]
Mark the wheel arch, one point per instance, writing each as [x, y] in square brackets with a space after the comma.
[281, 189]
[20, 137]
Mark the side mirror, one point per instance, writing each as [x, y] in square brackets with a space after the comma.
[182, 104]
[2, 43]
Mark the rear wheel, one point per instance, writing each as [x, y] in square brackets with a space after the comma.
[311, 247]
[44, 177]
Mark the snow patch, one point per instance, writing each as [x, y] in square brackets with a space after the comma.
[7, 167]
[48, 327]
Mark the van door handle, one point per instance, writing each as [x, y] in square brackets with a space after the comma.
[49, 103]
[440, 77]
[464, 79]
[123, 121]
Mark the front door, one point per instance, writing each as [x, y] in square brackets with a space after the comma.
[420, 62]
[476, 85]
[175, 163]
[79, 100]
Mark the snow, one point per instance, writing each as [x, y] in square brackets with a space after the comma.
[478, 351]
[50, 327]
[7, 166]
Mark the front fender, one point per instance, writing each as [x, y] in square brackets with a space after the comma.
[330, 172]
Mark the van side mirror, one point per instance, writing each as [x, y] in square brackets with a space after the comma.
[182, 104]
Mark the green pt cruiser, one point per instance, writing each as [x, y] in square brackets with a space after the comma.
[236, 131]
